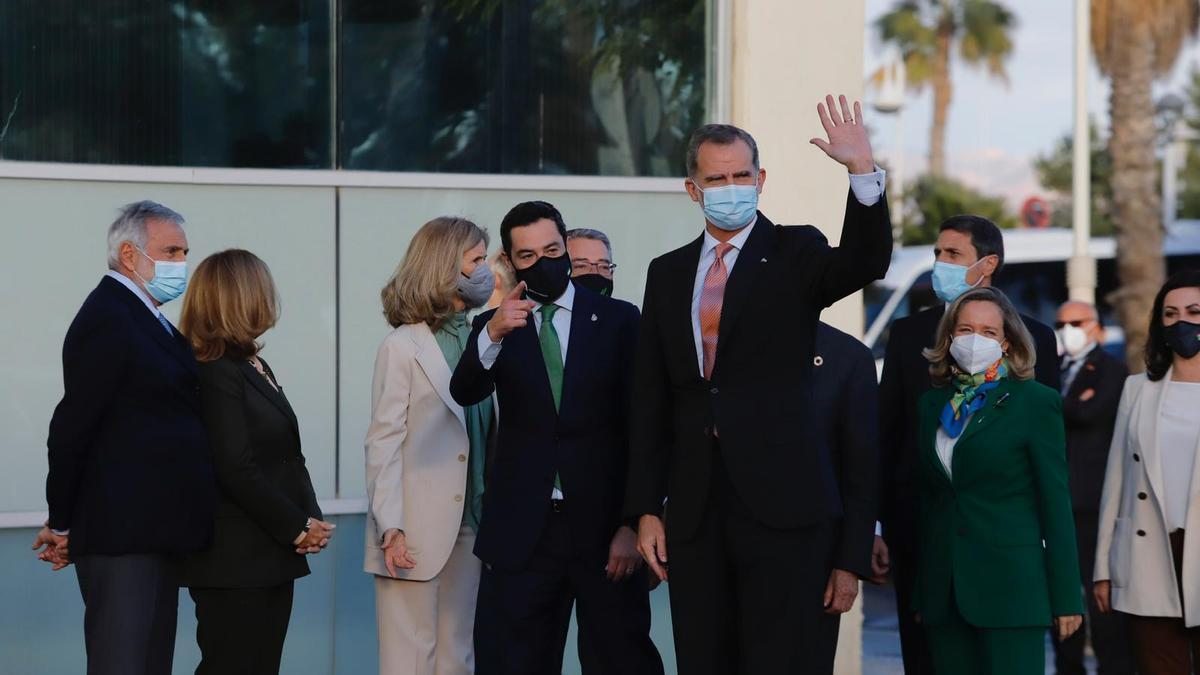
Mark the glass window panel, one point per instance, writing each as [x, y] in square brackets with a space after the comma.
[584, 87]
[189, 82]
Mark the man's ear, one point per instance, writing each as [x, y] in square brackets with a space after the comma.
[762, 178]
[692, 190]
[989, 264]
[128, 256]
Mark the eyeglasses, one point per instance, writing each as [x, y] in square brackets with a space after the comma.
[1077, 323]
[588, 267]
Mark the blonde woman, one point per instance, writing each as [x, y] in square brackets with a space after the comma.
[997, 561]
[425, 456]
[267, 513]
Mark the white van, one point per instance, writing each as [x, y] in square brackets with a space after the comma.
[1034, 277]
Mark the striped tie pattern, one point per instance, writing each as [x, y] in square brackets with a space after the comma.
[711, 298]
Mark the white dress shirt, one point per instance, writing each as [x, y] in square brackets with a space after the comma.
[1178, 433]
[867, 188]
[489, 351]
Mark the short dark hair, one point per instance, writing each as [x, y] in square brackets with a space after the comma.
[1158, 354]
[985, 236]
[527, 213]
[721, 134]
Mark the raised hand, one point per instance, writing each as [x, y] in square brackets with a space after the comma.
[56, 549]
[513, 313]
[848, 143]
[395, 552]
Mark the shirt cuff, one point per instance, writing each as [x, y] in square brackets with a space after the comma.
[868, 187]
[62, 533]
[488, 351]
[878, 529]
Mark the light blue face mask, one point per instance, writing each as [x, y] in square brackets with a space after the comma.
[169, 280]
[950, 281]
[729, 207]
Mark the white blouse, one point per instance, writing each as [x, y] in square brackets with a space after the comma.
[1178, 436]
[945, 445]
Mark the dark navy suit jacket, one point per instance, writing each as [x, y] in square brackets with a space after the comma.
[586, 441]
[130, 467]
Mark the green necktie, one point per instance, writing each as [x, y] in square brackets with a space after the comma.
[552, 355]
[552, 352]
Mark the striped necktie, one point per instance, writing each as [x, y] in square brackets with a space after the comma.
[712, 296]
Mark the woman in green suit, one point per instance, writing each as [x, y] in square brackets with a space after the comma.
[997, 562]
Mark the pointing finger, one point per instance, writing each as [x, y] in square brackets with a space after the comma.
[517, 292]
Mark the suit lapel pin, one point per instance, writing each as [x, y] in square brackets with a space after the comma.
[595, 318]
[763, 260]
[818, 361]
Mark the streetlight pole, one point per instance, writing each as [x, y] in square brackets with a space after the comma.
[1081, 268]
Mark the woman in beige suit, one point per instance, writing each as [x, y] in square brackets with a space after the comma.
[1146, 566]
[425, 456]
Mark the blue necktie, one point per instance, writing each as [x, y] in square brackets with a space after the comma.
[165, 324]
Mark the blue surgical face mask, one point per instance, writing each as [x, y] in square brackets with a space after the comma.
[950, 281]
[729, 207]
[169, 280]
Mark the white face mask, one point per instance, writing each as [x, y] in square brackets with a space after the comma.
[1074, 341]
[975, 353]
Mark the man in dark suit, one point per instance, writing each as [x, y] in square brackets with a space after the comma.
[722, 427]
[1092, 381]
[845, 408]
[970, 253]
[131, 482]
[551, 535]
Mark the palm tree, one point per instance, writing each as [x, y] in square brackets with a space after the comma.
[1136, 41]
[926, 30]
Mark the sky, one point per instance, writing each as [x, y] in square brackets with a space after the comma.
[996, 131]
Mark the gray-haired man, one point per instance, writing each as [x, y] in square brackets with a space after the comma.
[130, 485]
[591, 260]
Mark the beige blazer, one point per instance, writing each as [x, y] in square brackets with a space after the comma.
[1132, 549]
[417, 448]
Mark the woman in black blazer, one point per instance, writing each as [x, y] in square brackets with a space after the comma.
[267, 513]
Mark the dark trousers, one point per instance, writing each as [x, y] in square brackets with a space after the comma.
[522, 616]
[1165, 645]
[130, 603]
[746, 598]
[914, 643]
[240, 631]
[1110, 632]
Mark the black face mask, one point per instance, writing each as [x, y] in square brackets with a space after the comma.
[546, 279]
[595, 282]
[1183, 337]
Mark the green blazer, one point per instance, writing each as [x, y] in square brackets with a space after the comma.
[998, 538]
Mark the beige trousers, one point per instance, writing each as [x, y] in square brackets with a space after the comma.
[426, 627]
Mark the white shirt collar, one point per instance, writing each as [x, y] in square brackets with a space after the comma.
[135, 289]
[738, 240]
[567, 299]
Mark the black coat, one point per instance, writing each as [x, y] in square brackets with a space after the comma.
[759, 398]
[1090, 425]
[846, 411]
[905, 378]
[586, 441]
[265, 493]
[130, 470]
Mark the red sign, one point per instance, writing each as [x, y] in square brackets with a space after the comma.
[1035, 212]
